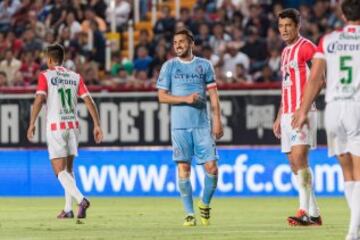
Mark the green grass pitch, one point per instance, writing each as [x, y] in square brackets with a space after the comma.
[162, 218]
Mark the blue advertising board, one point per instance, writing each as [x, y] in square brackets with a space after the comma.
[243, 172]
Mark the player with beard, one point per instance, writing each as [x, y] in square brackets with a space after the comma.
[182, 83]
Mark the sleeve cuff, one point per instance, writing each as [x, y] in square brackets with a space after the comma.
[162, 87]
[41, 92]
[211, 85]
[84, 95]
[319, 55]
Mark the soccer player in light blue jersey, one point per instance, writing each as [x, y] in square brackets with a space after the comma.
[183, 82]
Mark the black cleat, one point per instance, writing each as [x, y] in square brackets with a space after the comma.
[316, 220]
[65, 215]
[300, 219]
[83, 206]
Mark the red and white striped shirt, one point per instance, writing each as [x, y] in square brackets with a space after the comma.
[295, 69]
[62, 88]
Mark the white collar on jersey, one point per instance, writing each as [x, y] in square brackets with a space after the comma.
[352, 28]
[187, 62]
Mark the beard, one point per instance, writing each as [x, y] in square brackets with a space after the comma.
[184, 53]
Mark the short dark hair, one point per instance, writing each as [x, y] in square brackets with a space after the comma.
[351, 9]
[3, 73]
[186, 32]
[291, 13]
[56, 52]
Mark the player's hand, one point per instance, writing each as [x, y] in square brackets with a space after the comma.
[30, 132]
[217, 129]
[98, 134]
[192, 98]
[277, 128]
[299, 119]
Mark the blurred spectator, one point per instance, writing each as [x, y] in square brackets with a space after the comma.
[91, 16]
[99, 45]
[49, 39]
[241, 75]
[3, 80]
[266, 76]
[255, 48]
[99, 7]
[257, 20]
[120, 14]
[10, 66]
[18, 80]
[158, 60]
[165, 25]
[36, 26]
[121, 78]
[31, 42]
[16, 44]
[143, 61]
[273, 39]
[207, 53]
[139, 80]
[89, 70]
[7, 10]
[29, 69]
[275, 61]
[73, 25]
[219, 39]
[199, 17]
[233, 57]
[203, 37]
[56, 16]
[185, 17]
[144, 41]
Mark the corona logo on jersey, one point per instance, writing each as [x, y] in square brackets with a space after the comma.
[57, 80]
[335, 47]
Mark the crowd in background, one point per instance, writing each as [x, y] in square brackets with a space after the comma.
[239, 37]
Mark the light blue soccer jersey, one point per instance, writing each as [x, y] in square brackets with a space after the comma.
[184, 78]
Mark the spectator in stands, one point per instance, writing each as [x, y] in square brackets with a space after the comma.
[255, 48]
[203, 36]
[266, 76]
[37, 26]
[273, 40]
[144, 41]
[219, 39]
[120, 14]
[158, 60]
[10, 65]
[89, 70]
[121, 78]
[240, 75]
[257, 20]
[143, 61]
[56, 16]
[16, 44]
[73, 25]
[20, 18]
[275, 62]
[207, 53]
[3, 80]
[199, 17]
[29, 69]
[99, 7]
[185, 17]
[99, 45]
[18, 80]
[3, 44]
[140, 79]
[165, 25]
[49, 39]
[91, 16]
[31, 42]
[233, 57]
[7, 10]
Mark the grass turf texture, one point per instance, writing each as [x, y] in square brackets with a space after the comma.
[162, 218]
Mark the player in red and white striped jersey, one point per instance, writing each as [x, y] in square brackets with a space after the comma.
[59, 88]
[339, 54]
[295, 67]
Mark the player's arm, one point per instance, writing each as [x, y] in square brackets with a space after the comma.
[90, 105]
[37, 105]
[277, 125]
[217, 128]
[165, 97]
[312, 89]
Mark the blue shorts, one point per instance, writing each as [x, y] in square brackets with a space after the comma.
[197, 142]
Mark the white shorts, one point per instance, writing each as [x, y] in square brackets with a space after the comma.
[62, 143]
[342, 123]
[291, 137]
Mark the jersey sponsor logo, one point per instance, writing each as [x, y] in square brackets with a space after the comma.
[335, 47]
[57, 81]
[189, 77]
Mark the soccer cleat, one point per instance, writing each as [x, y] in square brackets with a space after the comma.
[65, 215]
[190, 221]
[316, 220]
[204, 213]
[300, 219]
[83, 206]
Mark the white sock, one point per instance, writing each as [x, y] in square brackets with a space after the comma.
[314, 209]
[68, 198]
[349, 186]
[303, 178]
[69, 185]
[355, 210]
